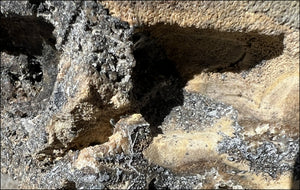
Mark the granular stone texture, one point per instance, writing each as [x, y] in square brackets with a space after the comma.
[149, 95]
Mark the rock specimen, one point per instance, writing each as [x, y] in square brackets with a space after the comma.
[204, 94]
[119, 142]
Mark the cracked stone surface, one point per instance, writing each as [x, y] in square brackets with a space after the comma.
[149, 95]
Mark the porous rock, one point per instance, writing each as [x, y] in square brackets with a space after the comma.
[216, 85]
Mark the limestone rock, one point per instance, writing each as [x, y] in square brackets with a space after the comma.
[120, 141]
[217, 82]
[244, 53]
[226, 52]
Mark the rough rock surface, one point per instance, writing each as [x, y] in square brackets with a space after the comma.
[127, 95]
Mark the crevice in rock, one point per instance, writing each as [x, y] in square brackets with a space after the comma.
[92, 120]
[29, 61]
[168, 56]
[87, 124]
[151, 185]
[71, 22]
[296, 172]
[35, 73]
[25, 35]
[157, 85]
[35, 4]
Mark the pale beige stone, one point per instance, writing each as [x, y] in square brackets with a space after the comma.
[119, 141]
[271, 97]
[266, 96]
[176, 149]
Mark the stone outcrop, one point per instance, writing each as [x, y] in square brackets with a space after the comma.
[175, 94]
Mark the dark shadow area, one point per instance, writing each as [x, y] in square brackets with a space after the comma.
[296, 173]
[68, 185]
[157, 85]
[36, 2]
[34, 70]
[153, 186]
[29, 63]
[35, 5]
[168, 56]
[25, 34]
